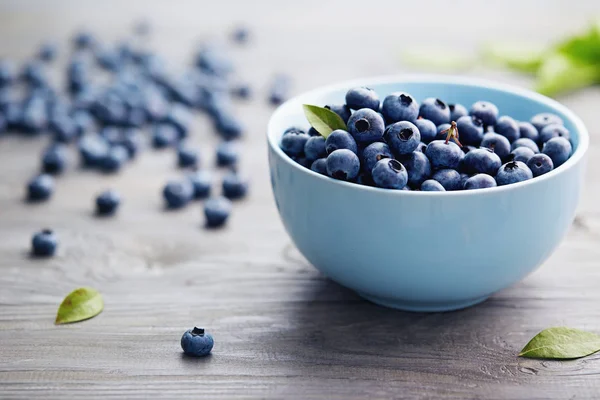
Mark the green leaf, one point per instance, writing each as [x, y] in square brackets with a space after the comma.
[560, 73]
[584, 48]
[323, 120]
[80, 304]
[561, 343]
[520, 57]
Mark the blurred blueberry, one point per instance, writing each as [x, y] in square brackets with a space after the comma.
[227, 154]
[114, 159]
[8, 72]
[40, 188]
[234, 186]
[93, 150]
[164, 135]
[202, 182]
[47, 51]
[279, 91]
[54, 159]
[83, 40]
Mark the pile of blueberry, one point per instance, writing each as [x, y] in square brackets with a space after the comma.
[398, 144]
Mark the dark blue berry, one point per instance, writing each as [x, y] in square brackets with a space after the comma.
[435, 110]
[479, 181]
[365, 179]
[432, 186]
[228, 126]
[279, 90]
[201, 183]
[54, 159]
[83, 40]
[216, 211]
[315, 148]
[463, 179]
[112, 134]
[40, 188]
[242, 90]
[44, 243]
[227, 154]
[362, 97]
[482, 160]
[558, 149]
[234, 186]
[313, 132]
[64, 128]
[485, 111]
[457, 111]
[186, 156]
[178, 193]
[180, 117]
[343, 164]
[342, 110]
[418, 168]
[470, 130]
[508, 127]
[528, 131]
[132, 141]
[34, 74]
[399, 106]
[47, 51]
[114, 159]
[319, 166]
[553, 131]
[93, 150]
[195, 342]
[373, 153]
[421, 147]
[107, 202]
[403, 137]
[539, 164]
[389, 174]
[427, 129]
[440, 134]
[498, 143]
[366, 126]
[164, 135]
[444, 155]
[293, 142]
[340, 139]
[522, 154]
[450, 179]
[513, 172]
[8, 72]
[525, 142]
[240, 34]
[539, 121]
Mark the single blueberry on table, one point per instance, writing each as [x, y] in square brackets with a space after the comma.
[93, 150]
[40, 188]
[366, 126]
[427, 129]
[228, 126]
[242, 91]
[319, 166]
[186, 156]
[539, 121]
[196, 342]
[240, 34]
[340, 109]
[132, 141]
[340, 139]
[201, 183]
[47, 51]
[54, 159]
[234, 186]
[403, 137]
[227, 154]
[216, 211]
[178, 193]
[315, 148]
[558, 149]
[417, 167]
[513, 172]
[44, 243]
[498, 143]
[373, 153]
[444, 155]
[525, 142]
[508, 127]
[83, 40]
[114, 159]
[435, 110]
[553, 131]
[164, 135]
[362, 97]
[539, 164]
[522, 154]
[389, 174]
[457, 111]
[432, 186]
[302, 160]
[470, 130]
[293, 142]
[399, 106]
[107, 202]
[485, 111]
[343, 164]
[479, 181]
[528, 131]
[450, 179]
[482, 160]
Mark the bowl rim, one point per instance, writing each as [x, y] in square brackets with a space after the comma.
[583, 134]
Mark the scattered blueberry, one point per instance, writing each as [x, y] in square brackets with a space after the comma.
[107, 202]
[528, 131]
[522, 154]
[319, 166]
[240, 34]
[470, 130]
[444, 155]
[373, 153]
[539, 164]
[164, 135]
[279, 89]
[40, 188]
[482, 160]
[242, 91]
[508, 127]
[480, 181]
[234, 186]
[343, 164]
[539, 121]
[315, 148]
[457, 111]
[216, 211]
[131, 141]
[399, 106]
[340, 109]
[389, 174]
[186, 156]
[44, 243]
[195, 342]
[498, 143]
[432, 186]
[427, 129]
[47, 51]
[402, 137]
[558, 149]
[227, 154]
[178, 193]
[435, 110]
[179, 116]
[340, 139]
[525, 142]
[485, 111]
[417, 167]
[83, 40]
[553, 131]
[362, 97]
[93, 150]
[513, 172]
[114, 159]
[450, 179]
[366, 126]
[8, 72]
[201, 183]
[54, 159]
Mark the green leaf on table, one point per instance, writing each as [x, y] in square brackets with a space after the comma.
[80, 304]
[520, 57]
[561, 343]
[584, 48]
[560, 73]
[323, 120]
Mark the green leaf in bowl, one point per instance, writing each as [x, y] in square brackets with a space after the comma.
[561, 343]
[80, 304]
[323, 120]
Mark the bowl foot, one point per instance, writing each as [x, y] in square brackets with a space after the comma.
[417, 306]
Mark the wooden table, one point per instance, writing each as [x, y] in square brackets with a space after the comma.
[281, 329]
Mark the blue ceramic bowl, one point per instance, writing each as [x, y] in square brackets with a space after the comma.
[426, 251]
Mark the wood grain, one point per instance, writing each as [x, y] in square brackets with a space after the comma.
[281, 329]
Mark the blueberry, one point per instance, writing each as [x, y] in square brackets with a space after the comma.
[400, 106]
[83, 40]
[303, 161]
[216, 211]
[513, 172]
[450, 179]
[482, 160]
[227, 154]
[186, 156]
[34, 117]
[427, 129]
[421, 147]
[402, 137]
[293, 143]
[293, 129]
[242, 90]
[319, 166]
[44, 243]
[508, 127]
[498, 143]
[444, 155]
[54, 159]
[112, 134]
[178, 193]
[40, 188]
[463, 179]
[34, 74]
[131, 141]
[480, 181]
[115, 158]
[342, 110]
[470, 130]
[180, 117]
[553, 131]
[432, 186]
[558, 149]
[164, 135]
[435, 110]
[528, 131]
[522, 154]
[315, 148]
[362, 97]
[234, 186]
[64, 129]
[457, 111]
[441, 128]
[340, 139]
[228, 126]
[93, 150]
[525, 142]
[240, 34]
[539, 121]
[201, 183]
[389, 174]
[107, 202]
[195, 342]
[8, 72]
[485, 111]
[343, 164]
[373, 153]
[366, 126]
[418, 168]
[539, 164]
[279, 90]
[313, 132]
[47, 51]
[365, 179]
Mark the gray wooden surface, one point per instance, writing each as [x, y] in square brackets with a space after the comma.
[281, 329]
